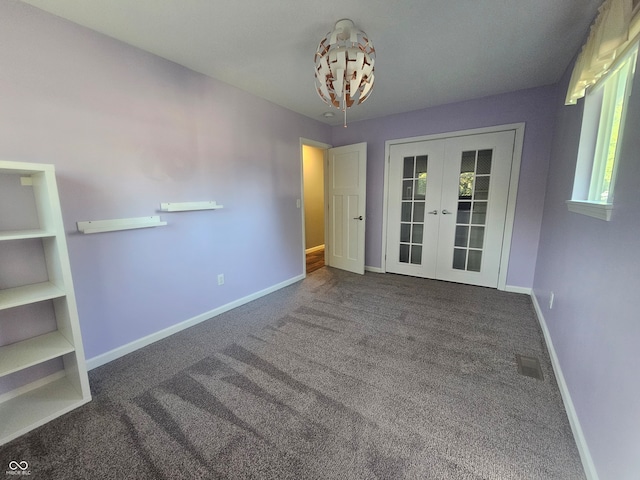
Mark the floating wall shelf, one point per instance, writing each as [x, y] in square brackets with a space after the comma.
[98, 226]
[187, 206]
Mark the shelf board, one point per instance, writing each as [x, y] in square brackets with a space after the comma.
[21, 168]
[190, 206]
[99, 226]
[25, 234]
[37, 292]
[24, 354]
[37, 407]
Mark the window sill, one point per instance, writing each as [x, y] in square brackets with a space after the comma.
[601, 211]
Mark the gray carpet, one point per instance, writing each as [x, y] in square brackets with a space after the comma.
[340, 376]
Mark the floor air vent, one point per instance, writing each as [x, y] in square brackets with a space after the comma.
[529, 366]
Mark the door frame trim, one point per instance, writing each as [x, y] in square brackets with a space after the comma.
[325, 147]
[518, 128]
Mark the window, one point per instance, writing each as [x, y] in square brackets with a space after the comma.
[600, 138]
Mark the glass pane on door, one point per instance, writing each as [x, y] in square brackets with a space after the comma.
[473, 198]
[414, 192]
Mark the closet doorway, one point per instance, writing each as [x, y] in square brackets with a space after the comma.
[450, 205]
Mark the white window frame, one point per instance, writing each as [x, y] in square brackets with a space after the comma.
[593, 150]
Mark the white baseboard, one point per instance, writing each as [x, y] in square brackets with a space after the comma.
[314, 249]
[373, 269]
[581, 442]
[154, 337]
[516, 289]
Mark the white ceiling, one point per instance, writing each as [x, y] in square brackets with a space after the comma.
[428, 52]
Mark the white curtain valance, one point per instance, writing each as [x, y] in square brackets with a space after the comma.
[608, 37]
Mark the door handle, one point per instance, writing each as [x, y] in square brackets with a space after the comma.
[358, 218]
[433, 212]
[446, 212]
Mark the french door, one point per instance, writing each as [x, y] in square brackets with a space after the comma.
[447, 204]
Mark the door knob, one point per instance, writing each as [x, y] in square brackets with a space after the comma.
[446, 212]
[358, 218]
[433, 212]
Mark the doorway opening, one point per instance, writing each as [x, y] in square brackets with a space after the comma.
[313, 186]
[338, 221]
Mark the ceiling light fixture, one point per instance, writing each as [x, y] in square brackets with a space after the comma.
[344, 67]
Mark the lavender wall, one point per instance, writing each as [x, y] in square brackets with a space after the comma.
[592, 267]
[126, 131]
[535, 107]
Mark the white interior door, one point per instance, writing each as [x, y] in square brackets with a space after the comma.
[346, 192]
[447, 205]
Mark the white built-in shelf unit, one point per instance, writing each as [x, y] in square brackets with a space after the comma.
[30, 191]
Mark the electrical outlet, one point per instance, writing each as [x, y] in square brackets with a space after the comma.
[551, 298]
[221, 279]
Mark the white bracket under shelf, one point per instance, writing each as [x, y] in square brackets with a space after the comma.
[187, 206]
[98, 226]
